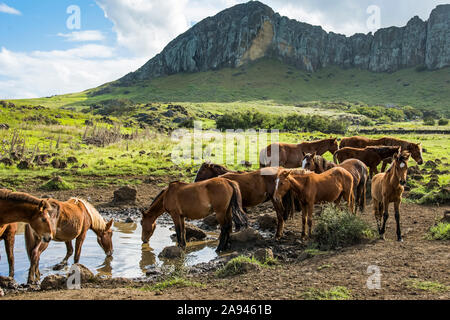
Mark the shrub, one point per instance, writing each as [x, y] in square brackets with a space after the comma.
[429, 121]
[443, 122]
[177, 282]
[436, 197]
[56, 184]
[336, 293]
[421, 68]
[441, 231]
[242, 264]
[338, 228]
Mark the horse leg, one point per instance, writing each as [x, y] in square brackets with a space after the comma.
[33, 247]
[225, 230]
[397, 219]
[69, 253]
[78, 245]
[385, 218]
[361, 192]
[9, 247]
[304, 215]
[183, 232]
[310, 220]
[280, 218]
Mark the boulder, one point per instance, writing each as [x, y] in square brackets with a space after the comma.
[173, 252]
[7, 162]
[54, 282]
[24, 165]
[247, 236]
[194, 233]
[8, 283]
[267, 222]
[72, 160]
[211, 221]
[125, 194]
[263, 254]
[85, 274]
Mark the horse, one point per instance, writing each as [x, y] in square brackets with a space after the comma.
[415, 149]
[256, 187]
[74, 218]
[22, 207]
[197, 201]
[357, 169]
[388, 187]
[371, 156]
[290, 155]
[312, 188]
[7, 233]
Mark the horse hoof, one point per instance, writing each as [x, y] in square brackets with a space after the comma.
[59, 267]
[400, 240]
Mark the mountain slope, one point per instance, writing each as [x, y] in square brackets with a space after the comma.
[250, 31]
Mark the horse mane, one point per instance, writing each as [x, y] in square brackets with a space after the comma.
[299, 171]
[8, 195]
[97, 221]
[157, 197]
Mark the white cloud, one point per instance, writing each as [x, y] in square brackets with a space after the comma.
[7, 9]
[83, 36]
[39, 74]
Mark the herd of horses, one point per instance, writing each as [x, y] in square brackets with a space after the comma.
[302, 179]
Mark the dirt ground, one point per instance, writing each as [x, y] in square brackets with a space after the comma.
[414, 259]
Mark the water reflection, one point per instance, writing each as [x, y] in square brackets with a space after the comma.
[131, 258]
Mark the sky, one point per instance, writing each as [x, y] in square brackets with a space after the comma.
[50, 47]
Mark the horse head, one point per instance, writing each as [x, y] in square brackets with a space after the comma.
[401, 166]
[282, 185]
[41, 221]
[104, 239]
[308, 161]
[416, 152]
[334, 146]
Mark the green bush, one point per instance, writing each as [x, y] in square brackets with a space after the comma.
[441, 231]
[429, 121]
[443, 122]
[337, 228]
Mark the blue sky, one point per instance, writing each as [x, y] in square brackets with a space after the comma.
[40, 56]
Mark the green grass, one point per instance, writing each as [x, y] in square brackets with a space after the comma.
[176, 282]
[56, 184]
[335, 293]
[431, 286]
[242, 264]
[441, 231]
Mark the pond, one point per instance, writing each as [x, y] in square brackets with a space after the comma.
[131, 259]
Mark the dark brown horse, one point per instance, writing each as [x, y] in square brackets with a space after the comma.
[22, 207]
[371, 156]
[388, 187]
[415, 149]
[197, 201]
[7, 233]
[311, 188]
[356, 168]
[256, 187]
[290, 155]
[73, 220]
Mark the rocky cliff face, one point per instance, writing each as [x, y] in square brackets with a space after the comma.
[251, 31]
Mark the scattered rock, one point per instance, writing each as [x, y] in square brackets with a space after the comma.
[4, 126]
[263, 254]
[430, 164]
[72, 160]
[129, 220]
[173, 252]
[267, 222]
[125, 195]
[211, 221]
[54, 282]
[85, 273]
[194, 233]
[413, 170]
[7, 162]
[246, 237]
[8, 283]
[446, 217]
[24, 165]
[417, 177]
[2, 293]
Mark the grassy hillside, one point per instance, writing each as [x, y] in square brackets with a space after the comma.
[279, 83]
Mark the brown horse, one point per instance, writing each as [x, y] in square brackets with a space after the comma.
[371, 156]
[197, 201]
[22, 207]
[73, 219]
[356, 168]
[388, 187]
[290, 155]
[256, 187]
[312, 188]
[415, 149]
[7, 233]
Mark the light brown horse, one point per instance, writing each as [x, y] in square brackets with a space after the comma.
[291, 155]
[73, 220]
[357, 169]
[415, 149]
[371, 156]
[312, 188]
[388, 187]
[7, 233]
[197, 201]
[22, 207]
[256, 187]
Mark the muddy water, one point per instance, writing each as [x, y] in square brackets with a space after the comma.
[131, 259]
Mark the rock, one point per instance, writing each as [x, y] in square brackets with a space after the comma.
[85, 273]
[248, 236]
[194, 233]
[54, 282]
[267, 222]
[8, 283]
[246, 32]
[413, 170]
[211, 221]
[446, 217]
[24, 165]
[2, 293]
[263, 254]
[125, 195]
[129, 220]
[4, 126]
[173, 252]
[72, 160]
[417, 177]
[430, 164]
[7, 162]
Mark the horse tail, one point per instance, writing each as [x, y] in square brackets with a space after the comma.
[288, 205]
[238, 215]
